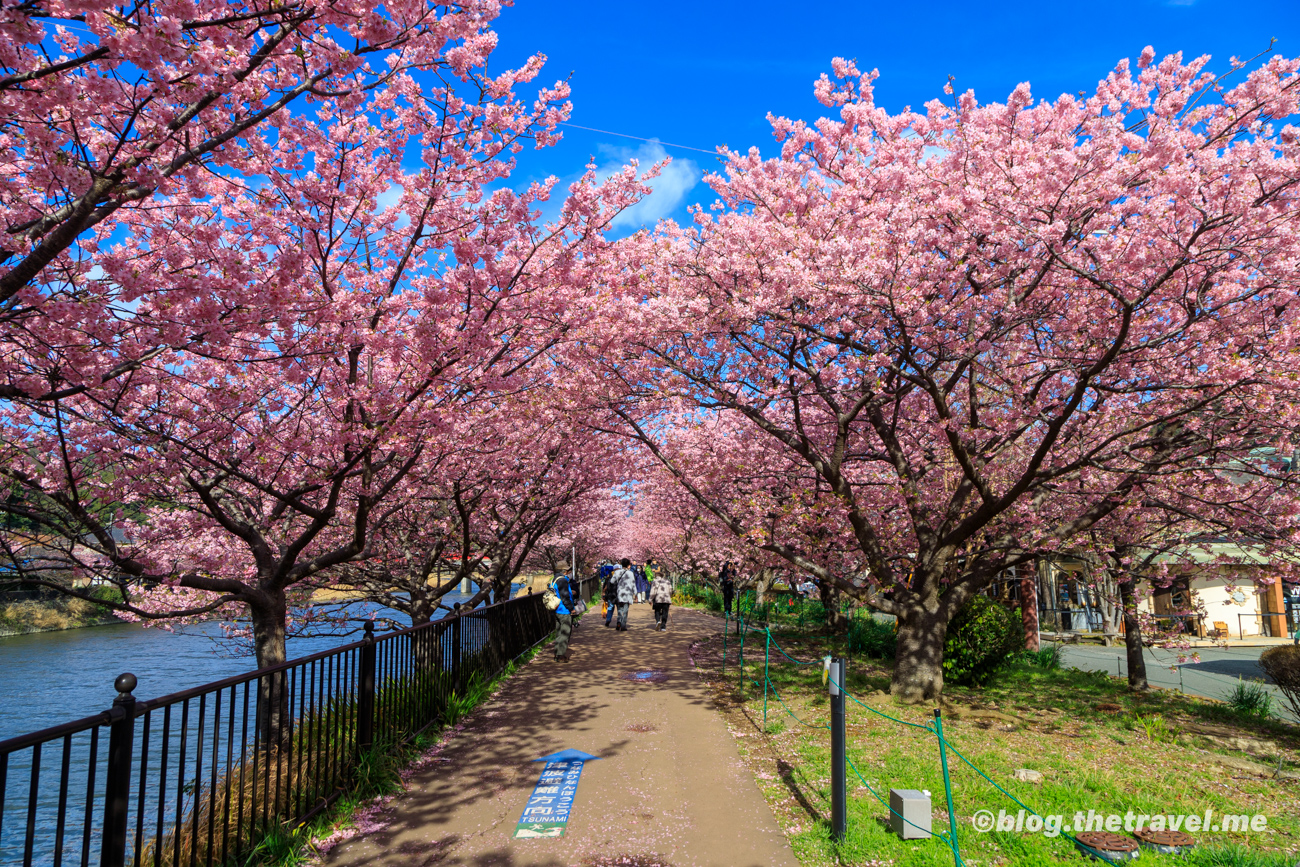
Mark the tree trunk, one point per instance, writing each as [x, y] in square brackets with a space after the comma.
[1137, 664]
[422, 608]
[268, 615]
[1029, 612]
[501, 591]
[918, 673]
[836, 620]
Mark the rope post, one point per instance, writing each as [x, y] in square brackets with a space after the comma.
[839, 778]
[726, 625]
[767, 650]
[947, 787]
[741, 620]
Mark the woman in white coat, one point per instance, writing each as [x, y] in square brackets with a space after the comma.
[625, 582]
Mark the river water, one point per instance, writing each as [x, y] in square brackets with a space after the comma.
[48, 678]
[56, 677]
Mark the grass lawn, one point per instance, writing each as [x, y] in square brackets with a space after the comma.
[1097, 746]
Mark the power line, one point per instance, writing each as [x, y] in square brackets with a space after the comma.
[639, 138]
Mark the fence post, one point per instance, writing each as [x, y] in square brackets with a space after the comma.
[455, 648]
[726, 627]
[839, 779]
[117, 783]
[741, 621]
[767, 651]
[947, 788]
[366, 692]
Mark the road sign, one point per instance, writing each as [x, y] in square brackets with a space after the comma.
[547, 812]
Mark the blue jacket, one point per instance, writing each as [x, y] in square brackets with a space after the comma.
[564, 589]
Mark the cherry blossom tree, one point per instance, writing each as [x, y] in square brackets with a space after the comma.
[245, 467]
[523, 473]
[586, 535]
[980, 328]
[106, 106]
[1249, 502]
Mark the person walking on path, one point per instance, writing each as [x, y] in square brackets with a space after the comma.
[609, 594]
[642, 583]
[625, 580]
[728, 587]
[661, 596]
[563, 588]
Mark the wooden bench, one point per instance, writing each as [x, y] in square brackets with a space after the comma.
[1220, 630]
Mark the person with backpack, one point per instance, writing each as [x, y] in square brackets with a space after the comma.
[609, 593]
[568, 598]
[625, 582]
[661, 597]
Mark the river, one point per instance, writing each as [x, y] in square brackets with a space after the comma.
[57, 677]
[54, 677]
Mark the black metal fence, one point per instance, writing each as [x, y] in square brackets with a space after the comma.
[199, 777]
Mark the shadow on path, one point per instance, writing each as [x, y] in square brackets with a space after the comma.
[668, 790]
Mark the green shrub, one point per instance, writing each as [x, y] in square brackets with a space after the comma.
[698, 594]
[1251, 700]
[1157, 728]
[1047, 658]
[106, 593]
[1282, 664]
[877, 639]
[981, 639]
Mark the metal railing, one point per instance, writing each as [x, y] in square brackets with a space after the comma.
[199, 777]
[1266, 624]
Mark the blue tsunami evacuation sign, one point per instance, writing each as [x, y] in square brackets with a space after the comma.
[547, 812]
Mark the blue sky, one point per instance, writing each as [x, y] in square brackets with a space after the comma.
[706, 73]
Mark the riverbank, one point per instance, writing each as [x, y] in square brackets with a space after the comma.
[55, 615]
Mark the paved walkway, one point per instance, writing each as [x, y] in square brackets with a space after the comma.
[669, 788]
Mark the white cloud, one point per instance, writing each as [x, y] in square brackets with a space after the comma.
[388, 199]
[933, 152]
[667, 191]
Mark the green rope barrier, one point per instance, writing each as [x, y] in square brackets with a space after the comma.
[781, 701]
[951, 840]
[767, 649]
[1018, 802]
[947, 787]
[741, 612]
[904, 722]
[889, 807]
[777, 695]
[781, 651]
[726, 627]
